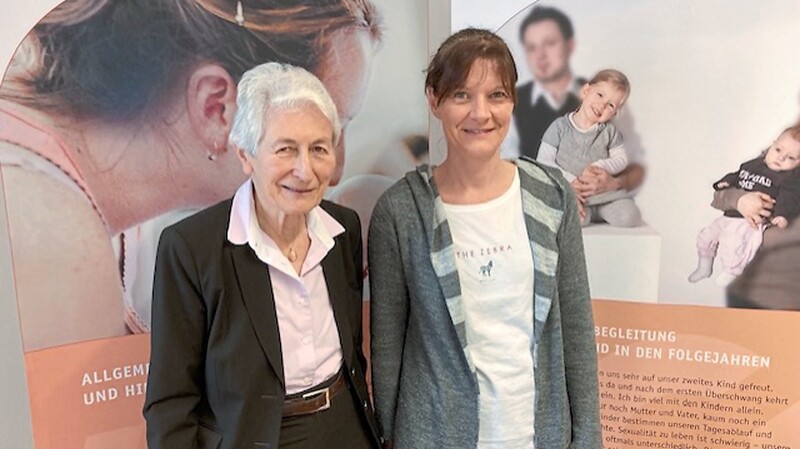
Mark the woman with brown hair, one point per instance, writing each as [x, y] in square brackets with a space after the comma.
[116, 111]
[482, 332]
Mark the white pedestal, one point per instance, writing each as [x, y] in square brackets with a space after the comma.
[623, 263]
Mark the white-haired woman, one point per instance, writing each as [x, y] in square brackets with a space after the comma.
[256, 338]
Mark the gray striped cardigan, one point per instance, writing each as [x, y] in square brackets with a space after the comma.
[425, 389]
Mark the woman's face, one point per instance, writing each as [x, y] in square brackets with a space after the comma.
[345, 71]
[294, 162]
[475, 117]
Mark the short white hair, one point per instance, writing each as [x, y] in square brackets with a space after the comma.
[273, 86]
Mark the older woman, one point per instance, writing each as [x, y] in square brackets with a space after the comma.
[116, 111]
[256, 337]
[482, 332]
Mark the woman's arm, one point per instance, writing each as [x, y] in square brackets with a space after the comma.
[577, 325]
[175, 381]
[389, 313]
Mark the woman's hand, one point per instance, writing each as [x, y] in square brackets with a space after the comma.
[755, 207]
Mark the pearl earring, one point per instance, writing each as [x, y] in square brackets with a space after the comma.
[212, 155]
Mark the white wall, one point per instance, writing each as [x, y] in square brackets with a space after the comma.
[483, 14]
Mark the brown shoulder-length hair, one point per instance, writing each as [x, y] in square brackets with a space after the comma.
[450, 66]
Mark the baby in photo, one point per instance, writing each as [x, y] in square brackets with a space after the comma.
[586, 138]
[775, 172]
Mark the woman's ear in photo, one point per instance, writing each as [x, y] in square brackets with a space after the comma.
[211, 105]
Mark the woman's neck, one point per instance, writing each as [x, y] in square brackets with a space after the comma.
[470, 181]
[127, 171]
[136, 172]
[279, 226]
[289, 232]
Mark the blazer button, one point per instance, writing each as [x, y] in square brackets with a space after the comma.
[366, 405]
[353, 372]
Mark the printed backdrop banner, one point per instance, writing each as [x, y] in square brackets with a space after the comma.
[675, 373]
[683, 377]
[89, 395]
[713, 84]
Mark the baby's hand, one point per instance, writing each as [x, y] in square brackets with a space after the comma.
[723, 185]
[780, 222]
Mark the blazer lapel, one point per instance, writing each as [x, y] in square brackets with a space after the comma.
[338, 292]
[255, 285]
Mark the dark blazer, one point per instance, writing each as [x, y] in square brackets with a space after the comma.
[216, 370]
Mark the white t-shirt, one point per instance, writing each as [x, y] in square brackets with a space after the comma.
[495, 268]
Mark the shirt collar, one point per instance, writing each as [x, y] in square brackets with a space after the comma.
[243, 225]
[538, 91]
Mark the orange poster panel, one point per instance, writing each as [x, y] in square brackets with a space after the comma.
[689, 377]
[89, 395]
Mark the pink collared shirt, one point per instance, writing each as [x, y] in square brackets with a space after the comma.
[309, 336]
